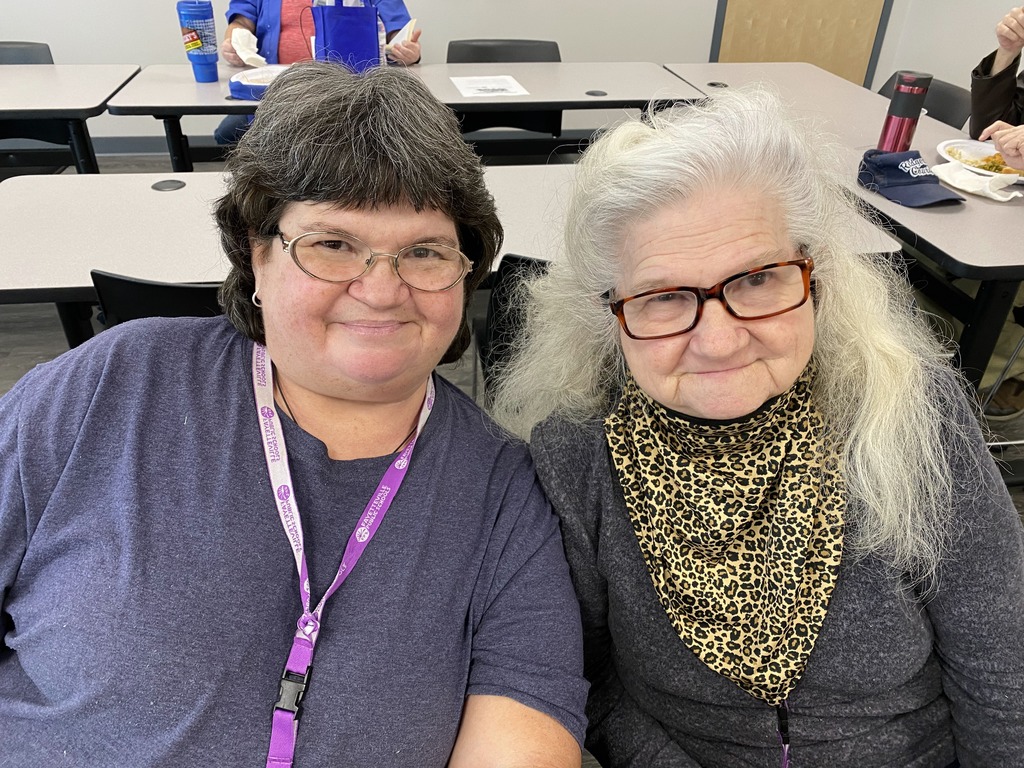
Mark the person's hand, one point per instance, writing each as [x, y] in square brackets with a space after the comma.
[407, 52]
[1010, 37]
[227, 49]
[1010, 32]
[1008, 140]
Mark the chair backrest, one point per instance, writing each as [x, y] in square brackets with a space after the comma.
[478, 51]
[944, 101]
[50, 131]
[19, 52]
[125, 298]
[505, 320]
[482, 50]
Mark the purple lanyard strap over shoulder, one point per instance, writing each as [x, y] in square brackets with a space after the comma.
[295, 678]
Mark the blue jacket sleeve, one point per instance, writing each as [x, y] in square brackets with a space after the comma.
[249, 10]
[266, 14]
[393, 13]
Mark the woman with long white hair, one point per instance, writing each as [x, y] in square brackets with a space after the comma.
[786, 535]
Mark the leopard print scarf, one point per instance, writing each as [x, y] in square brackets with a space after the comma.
[741, 527]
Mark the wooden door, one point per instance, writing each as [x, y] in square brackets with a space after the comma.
[842, 36]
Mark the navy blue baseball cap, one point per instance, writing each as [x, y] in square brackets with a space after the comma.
[904, 178]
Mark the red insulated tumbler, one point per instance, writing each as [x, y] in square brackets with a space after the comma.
[904, 111]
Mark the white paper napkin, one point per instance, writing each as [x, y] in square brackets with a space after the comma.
[245, 46]
[994, 187]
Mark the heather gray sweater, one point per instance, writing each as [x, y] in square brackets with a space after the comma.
[894, 680]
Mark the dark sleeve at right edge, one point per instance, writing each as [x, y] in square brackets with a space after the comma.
[995, 97]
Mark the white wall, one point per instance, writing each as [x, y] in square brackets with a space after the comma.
[146, 32]
[106, 32]
[605, 30]
[944, 37]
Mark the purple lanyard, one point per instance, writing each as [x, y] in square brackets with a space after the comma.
[295, 677]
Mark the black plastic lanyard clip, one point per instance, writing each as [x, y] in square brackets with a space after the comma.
[782, 714]
[292, 691]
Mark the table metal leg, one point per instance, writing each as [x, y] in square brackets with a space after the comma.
[76, 319]
[81, 147]
[990, 312]
[177, 144]
[983, 315]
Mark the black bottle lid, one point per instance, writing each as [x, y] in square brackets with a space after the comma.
[908, 93]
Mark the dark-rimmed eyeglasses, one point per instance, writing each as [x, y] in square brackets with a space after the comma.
[756, 294]
[338, 257]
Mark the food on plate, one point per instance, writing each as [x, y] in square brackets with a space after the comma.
[993, 163]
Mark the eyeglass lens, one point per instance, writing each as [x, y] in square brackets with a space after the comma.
[766, 292]
[339, 258]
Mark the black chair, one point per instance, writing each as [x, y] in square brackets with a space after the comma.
[18, 52]
[22, 160]
[501, 50]
[497, 331]
[548, 122]
[944, 101]
[128, 298]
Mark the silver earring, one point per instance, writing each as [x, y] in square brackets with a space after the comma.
[256, 299]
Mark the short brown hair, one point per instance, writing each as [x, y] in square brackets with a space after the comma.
[324, 134]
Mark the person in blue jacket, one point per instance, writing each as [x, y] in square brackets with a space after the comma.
[283, 28]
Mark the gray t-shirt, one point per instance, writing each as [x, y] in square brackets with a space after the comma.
[149, 593]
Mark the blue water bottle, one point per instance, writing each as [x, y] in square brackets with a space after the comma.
[199, 35]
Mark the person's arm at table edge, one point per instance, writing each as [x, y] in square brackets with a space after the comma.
[1001, 60]
[997, 97]
[1008, 141]
[499, 732]
[395, 15]
[995, 93]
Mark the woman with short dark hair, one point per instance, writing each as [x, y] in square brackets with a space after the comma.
[280, 535]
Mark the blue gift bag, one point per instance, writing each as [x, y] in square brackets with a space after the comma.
[347, 35]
